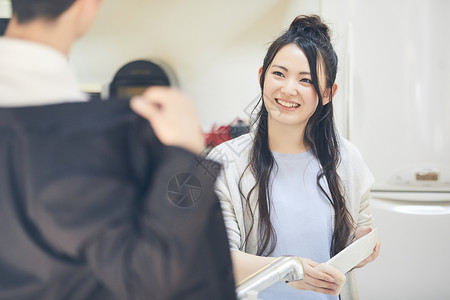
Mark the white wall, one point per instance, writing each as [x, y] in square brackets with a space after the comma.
[5, 9]
[215, 47]
[337, 14]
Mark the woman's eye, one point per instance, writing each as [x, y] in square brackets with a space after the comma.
[306, 80]
[276, 73]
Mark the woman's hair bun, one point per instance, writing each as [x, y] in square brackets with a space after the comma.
[311, 23]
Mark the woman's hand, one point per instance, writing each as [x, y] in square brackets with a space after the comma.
[172, 116]
[360, 232]
[320, 278]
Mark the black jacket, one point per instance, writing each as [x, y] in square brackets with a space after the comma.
[93, 206]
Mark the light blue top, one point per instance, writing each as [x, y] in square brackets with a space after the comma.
[301, 216]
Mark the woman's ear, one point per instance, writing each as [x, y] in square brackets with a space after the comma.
[259, 76]
[329, 94]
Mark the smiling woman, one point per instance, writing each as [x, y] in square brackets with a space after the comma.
[294, 186]
[289, 94]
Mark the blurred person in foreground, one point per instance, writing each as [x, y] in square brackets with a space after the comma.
[95, 202]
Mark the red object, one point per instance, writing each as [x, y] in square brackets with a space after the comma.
[217, 136]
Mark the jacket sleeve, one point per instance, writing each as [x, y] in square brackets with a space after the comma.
[357, 180]
[226, 188]
[366, 180]
[365, 212]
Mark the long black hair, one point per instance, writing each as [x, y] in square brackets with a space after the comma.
[311, 35]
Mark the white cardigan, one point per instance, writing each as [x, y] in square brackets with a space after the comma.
[234, 155]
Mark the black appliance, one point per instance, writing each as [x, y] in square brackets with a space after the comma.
[134, 77]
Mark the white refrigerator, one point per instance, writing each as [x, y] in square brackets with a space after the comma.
[395, 107]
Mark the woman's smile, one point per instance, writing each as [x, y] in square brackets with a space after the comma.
[289, 94]
[285, 104]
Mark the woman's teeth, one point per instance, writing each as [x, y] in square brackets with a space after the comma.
[287, 104]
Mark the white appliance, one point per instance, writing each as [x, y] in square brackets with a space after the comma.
[397, 90]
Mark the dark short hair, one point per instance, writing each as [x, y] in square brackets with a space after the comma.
[28, 10]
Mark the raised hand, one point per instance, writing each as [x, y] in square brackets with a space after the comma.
[173, 117]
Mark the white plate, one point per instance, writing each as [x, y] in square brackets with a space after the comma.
[354, 253]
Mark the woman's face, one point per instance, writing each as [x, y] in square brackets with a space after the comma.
[289, 94]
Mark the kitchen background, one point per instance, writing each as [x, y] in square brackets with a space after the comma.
[393, 101]
[214, 47]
